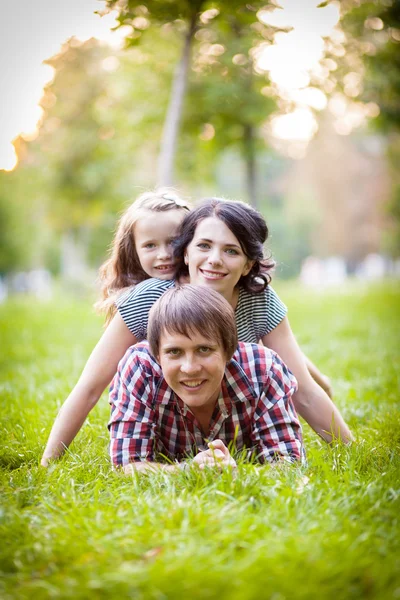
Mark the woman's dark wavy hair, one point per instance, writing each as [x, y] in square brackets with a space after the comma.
[246, 224]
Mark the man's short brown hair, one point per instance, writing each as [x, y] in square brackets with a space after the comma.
[191, 309]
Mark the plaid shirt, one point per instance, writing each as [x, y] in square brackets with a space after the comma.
[254, 409]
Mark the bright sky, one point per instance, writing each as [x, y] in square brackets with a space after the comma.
[291, 60]
[30, 32]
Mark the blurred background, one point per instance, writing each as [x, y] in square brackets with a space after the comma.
[292, 106]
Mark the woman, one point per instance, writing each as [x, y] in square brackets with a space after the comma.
[220, 246]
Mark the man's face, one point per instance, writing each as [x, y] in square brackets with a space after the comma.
[192, 367]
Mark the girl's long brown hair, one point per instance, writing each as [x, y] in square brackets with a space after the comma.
[123, 269]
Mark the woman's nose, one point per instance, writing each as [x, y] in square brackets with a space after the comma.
[215, 256]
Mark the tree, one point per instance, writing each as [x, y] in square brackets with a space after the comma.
[186, 18]
[226, 91]
[373, 42]
[85, 153]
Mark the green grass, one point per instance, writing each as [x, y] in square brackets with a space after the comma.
[327, 530]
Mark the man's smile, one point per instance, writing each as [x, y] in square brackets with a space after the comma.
[193, 384]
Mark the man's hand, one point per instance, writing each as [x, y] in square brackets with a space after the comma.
[216, 456]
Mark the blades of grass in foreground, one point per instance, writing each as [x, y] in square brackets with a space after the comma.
[326, 530]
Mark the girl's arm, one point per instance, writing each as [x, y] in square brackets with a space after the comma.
[310, 401]
[97, 374]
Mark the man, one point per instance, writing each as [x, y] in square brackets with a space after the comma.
[192, 390]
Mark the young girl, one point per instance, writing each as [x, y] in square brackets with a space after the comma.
[142, 248]
[142, 245]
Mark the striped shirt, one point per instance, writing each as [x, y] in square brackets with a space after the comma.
[256, 314]
[254, 410]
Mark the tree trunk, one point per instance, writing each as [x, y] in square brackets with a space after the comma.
[166, 158]
[251, 167]
[74, 251]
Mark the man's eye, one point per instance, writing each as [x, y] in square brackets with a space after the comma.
[173, 352]
[204, 349]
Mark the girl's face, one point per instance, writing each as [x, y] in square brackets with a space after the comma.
[215, 257]
[154, 233]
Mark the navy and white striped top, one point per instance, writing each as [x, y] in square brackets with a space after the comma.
[256, 314]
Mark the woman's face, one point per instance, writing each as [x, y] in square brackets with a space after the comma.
[215, 257]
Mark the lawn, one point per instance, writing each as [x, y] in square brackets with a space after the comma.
[326, 530]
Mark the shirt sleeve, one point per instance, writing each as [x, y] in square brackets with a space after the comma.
[135, 305]
[277, 430]
[276, 310]
[267, 311]
[132, 422]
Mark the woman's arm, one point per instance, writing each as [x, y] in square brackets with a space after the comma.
[97, 374]
[310, 401]
[319, 377]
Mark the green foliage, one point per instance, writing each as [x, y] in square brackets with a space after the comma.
[373, 43]
[11, 250]
[224, 90]
[375, 28]
[327, 530]
[94, 152]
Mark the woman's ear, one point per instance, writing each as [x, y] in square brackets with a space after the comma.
[185, 258]
[248, 267]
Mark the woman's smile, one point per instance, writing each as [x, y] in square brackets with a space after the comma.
[215, 257]
[212, 274]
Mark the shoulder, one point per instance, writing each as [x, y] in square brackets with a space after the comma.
[262, 366]
[257, 314]
[150, 288]
[267, 298]
[138, 360]
[253, 358]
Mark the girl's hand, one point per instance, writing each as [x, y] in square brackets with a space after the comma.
[216, 456]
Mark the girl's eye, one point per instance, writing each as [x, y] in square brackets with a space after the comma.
[149, 246]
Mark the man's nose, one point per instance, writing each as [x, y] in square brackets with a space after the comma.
[190, 365]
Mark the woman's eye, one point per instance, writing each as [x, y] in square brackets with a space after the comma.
[232, 252]
[203, 246]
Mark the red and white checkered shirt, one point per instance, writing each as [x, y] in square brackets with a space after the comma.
[254, 410]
